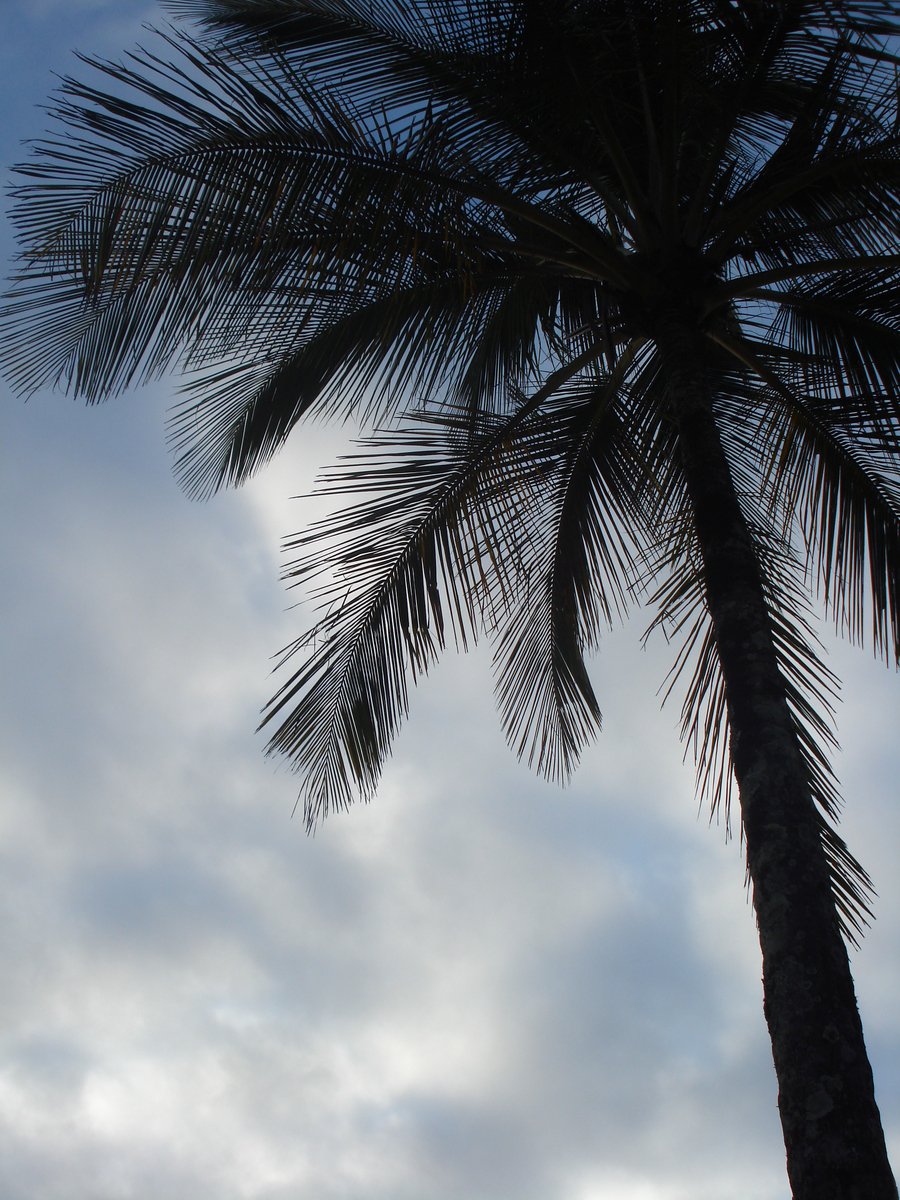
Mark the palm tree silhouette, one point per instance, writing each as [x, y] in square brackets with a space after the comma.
[614, 284]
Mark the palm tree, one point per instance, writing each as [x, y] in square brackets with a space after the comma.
[614, 285]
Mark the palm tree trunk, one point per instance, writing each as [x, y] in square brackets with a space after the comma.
[832, 1128]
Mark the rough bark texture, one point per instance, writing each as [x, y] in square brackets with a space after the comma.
[832, 1128]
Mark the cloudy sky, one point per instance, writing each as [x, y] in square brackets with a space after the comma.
[479, 987]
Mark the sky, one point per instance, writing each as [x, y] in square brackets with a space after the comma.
[478, 987]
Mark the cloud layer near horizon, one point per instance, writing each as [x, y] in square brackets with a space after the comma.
[478, 986]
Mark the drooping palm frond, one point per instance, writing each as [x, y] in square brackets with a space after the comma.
[431, 338]
[411, 562]
[431, 548]
[831, 460]
[580, 564]
[849, 501]
[811, 689]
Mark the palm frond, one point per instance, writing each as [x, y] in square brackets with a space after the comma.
[580, 564]
[848, 503]
[810, 688]
[419, 555]
[381, 356]
[432, 545]
[832, 465]
[403, 570]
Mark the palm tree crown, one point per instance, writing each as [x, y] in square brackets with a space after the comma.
[615, 283]
[478, 217]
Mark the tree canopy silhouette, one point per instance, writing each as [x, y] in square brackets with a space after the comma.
[614, 286]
